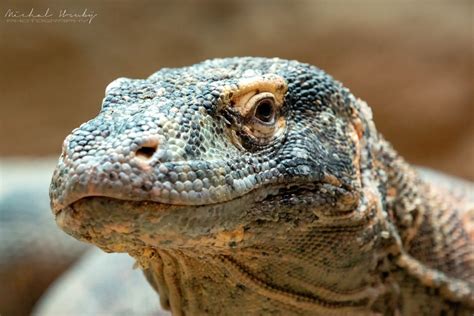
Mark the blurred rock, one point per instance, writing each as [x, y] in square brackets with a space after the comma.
[103, 284]
[33, 250]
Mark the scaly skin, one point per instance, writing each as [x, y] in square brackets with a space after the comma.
[261, 186]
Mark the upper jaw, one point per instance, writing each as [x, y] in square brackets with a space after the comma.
[164, 193]
[72, 182]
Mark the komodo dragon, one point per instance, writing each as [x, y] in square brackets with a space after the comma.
[254, 186]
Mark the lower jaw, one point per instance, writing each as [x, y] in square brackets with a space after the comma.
[117, 225]
[125, 226]
[120, 226]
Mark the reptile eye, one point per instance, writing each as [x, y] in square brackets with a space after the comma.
[265, 110]
[257, 118]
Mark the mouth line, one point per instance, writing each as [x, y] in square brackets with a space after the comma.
[70, 206]
[128, 200]
[57, 210]
[260, 194]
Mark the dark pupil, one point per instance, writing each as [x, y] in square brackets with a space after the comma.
[264, 111]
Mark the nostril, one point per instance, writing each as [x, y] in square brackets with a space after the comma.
[147, 149]
[146, 152]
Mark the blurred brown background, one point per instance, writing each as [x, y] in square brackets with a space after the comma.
[412, 61]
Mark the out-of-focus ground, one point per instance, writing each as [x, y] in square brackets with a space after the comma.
[412, 61]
